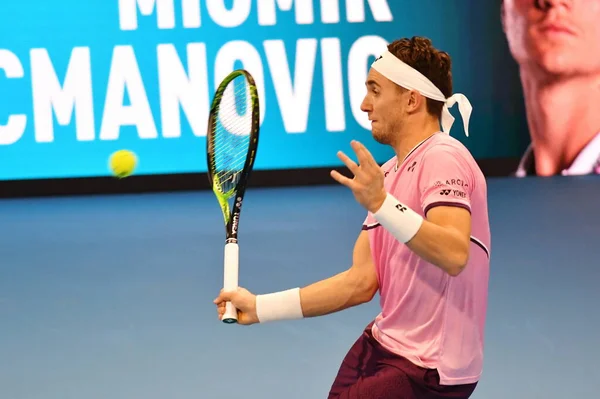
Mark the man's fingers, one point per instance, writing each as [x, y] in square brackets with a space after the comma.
[341, 179]
[358, 150]
[220, 308]
[348, 162]
[223, 297]
[364, 156]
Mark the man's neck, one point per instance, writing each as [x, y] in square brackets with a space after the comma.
[562, 114]
[412, 135]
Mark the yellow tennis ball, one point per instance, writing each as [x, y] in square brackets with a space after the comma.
[122, 163]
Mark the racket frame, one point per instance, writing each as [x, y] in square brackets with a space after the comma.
[232, 216]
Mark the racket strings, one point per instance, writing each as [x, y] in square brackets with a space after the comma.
[231, 138]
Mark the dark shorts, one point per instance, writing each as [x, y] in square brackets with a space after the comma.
[369, 371]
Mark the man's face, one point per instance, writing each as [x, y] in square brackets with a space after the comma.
[561, 38]
[384, 106]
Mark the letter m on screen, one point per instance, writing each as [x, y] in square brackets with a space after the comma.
[128, 13]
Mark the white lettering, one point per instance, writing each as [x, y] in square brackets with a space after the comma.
[14, 128]
[236, 16]
[250, 58]
[355, 10]
[125, 74]
[294, 102]
[330, 11]
[239, 12]
[234, 223]
[333, 85]
[304, 11]
[178, 88]
[191, 13]
[75, 93]
[128, 17]
[361, 50]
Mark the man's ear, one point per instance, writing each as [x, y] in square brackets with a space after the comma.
[414, 101]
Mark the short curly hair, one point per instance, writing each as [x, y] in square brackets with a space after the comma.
[436, 65]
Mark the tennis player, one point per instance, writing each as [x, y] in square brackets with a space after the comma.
[424, 244]
[556, 44]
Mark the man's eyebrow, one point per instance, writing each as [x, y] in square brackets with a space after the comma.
[371, 82]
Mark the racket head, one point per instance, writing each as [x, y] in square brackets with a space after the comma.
[232, 141]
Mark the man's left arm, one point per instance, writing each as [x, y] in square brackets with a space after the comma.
[443, 236]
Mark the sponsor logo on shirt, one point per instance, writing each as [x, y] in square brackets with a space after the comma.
[457, 182]
[456, 193]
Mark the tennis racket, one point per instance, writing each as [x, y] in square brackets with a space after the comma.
[232, 140]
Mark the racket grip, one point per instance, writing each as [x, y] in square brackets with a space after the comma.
[230, 280]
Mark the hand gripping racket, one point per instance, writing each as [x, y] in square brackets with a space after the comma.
[231, 143]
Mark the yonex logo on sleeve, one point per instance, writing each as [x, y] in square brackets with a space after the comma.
[400, 207]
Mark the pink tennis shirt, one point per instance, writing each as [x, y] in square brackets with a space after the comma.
[427, 316]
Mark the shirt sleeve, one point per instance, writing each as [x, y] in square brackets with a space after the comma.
[446, 179]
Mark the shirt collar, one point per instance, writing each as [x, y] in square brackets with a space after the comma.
[397, 164]
[586, 162]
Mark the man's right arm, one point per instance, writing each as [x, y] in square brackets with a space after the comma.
[352, 287]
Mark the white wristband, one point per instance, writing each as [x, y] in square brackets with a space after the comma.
[397, 218]
[283, 305]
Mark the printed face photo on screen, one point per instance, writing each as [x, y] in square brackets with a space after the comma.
[559, 36]
[556, 44]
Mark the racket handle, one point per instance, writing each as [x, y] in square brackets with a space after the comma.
[230, 281]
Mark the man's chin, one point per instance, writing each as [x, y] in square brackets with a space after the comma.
[558, 62]
[380, 137]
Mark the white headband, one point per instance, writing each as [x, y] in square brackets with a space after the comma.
[404, 75]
